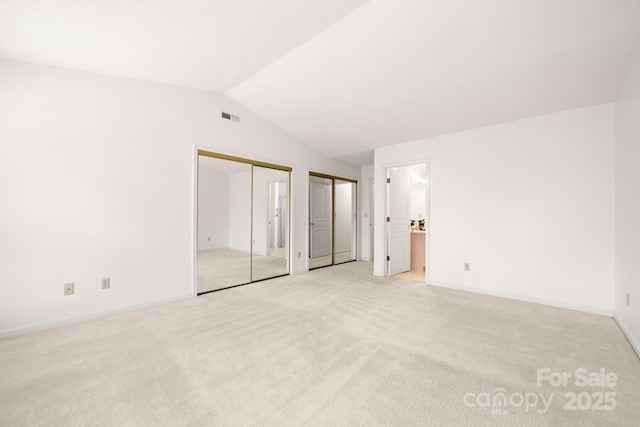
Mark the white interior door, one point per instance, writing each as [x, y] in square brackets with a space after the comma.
[399, 212]
[320, 219]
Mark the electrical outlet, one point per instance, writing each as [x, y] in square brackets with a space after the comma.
[105, 283]
[628, 297]
[299, 254]
[208, 239]
[68, 289]
[467, 266]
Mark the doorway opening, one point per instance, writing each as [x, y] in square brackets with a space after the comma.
[407, 222]
[242, 221]
[332, 220]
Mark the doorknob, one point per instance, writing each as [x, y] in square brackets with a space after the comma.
[312, 223]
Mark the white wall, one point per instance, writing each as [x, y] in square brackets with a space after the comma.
[528, 203]
[213, 210]
[627, 180]
[97, 180]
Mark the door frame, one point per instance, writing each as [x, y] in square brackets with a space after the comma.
[372, 218]
[381, 221]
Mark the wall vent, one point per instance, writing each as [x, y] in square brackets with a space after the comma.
[230, 117]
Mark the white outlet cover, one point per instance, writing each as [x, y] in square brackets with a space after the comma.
[69, 289]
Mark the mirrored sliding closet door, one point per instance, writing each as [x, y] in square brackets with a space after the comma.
[332, 220]
[243, 221]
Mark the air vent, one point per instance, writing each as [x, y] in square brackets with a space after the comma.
[230, 117]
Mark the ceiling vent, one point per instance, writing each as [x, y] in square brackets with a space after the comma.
[230, 117]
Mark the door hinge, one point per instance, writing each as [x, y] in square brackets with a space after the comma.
[388, 258]
[388, 219]
[388, 180]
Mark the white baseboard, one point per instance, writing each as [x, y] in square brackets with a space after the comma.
[627, 333]
[57, 323]
[552, 303]
[378, 273]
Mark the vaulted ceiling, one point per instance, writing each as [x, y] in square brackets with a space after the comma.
[347, 76]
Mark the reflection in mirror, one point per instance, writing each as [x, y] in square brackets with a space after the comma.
[224, 223]
[345, 221]
[270, 254]
[320, 224]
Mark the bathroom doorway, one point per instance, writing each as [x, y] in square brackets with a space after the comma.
[407, 221]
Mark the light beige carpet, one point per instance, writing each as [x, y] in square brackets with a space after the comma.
[335, 346]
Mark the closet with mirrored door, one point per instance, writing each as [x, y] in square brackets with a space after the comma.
[243, 221]
[332, 220]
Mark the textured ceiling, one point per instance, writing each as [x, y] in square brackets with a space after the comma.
[347, 75]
